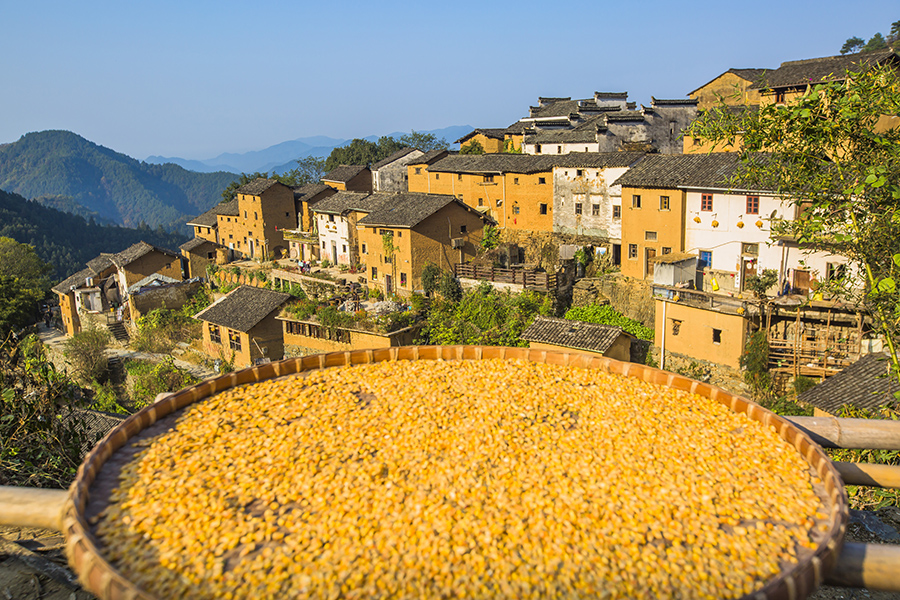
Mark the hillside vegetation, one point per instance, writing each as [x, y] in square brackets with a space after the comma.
[115, 186]
[67, 241]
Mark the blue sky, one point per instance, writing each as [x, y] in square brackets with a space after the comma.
[197, 78]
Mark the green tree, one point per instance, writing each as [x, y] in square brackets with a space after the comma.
[760, 284]
[425, 142]
[23, 282]
[309, 169]
[854, 44]
[895, 32]
[876, 42]
[473, 147]
[831, 155]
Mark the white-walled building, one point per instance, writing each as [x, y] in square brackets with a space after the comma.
[336, 219]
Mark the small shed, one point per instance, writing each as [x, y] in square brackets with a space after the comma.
[552, 334]
[675, 269]
[240, 327]
[865, 384]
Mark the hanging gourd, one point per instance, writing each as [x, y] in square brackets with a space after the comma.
[740, 224]
[715, 223]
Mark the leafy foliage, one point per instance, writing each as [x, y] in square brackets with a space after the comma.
[854, 44]
[473, 147]
[86, 354]
[759, 284]
[607, 315]
[755, 363]
[66, 241]
[23, 282]
[449, 287]
[161, 329]
[41, 435]
[116, 186]
[491, 237]
[828, 154]
[364, 152]
[431, 275]
[150, 379]
[870, 498]
[484, 316]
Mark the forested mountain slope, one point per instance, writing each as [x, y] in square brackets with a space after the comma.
[116, 186]
[67, 241]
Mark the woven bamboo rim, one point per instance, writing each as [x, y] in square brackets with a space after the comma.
[107, 583]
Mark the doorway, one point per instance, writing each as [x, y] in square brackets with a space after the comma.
[651, 253]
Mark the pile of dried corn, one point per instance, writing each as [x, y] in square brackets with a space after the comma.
[460, 479]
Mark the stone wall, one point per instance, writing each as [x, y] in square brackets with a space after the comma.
[631, 297]
[172, 297]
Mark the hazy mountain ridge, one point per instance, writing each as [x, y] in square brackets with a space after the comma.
[114, 185]
[281, 157]
[68, 241]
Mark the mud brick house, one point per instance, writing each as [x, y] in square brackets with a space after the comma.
[350, 178]
[241, 327]
[405, 232]
[734, 87]
[200, 252]
[548, 333]
[336, 219]
[303, 242]
[390, 174]
[206, 226]
[109, 280]
[305, 337]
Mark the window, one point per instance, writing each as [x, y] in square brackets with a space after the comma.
[676, 326]
[635, 201]
[748, 248]
[331, 218]
[499, 202]
[515, 181]
[387, 259]
[386, 232]
[462, 228]
[255, 216]
[374, 274]
[399, 234]
[365, 249]
[245, 214]
[459, 177]
[752, 205]
[650, 236]
[402, 279]
[578, 208]
[287, 214]
[230, 236]
[210, 255]
[717, 336]
[488, 178]
[779, 97]
[215, 335]
[537, 148]
[437, 175]
[515, 209]
[667, 250]
[323, 243]
[344, 248]
[559, 149]
[542, 209]
[481, 202]
[542, 180]
[418, 170]
[835, 271]
[705, 259]
[706, 202]
[663, 203]
[234, 340]
[579, 173]
[632, 250]
[617, 211]
[595, 210]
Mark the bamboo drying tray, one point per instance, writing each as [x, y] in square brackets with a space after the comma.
[101, 578]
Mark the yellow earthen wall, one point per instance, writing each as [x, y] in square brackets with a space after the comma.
[695, 336]
[636, 222]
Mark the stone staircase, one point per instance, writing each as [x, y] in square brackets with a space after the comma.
[119, 332]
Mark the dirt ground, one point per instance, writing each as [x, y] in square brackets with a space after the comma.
[33, 563]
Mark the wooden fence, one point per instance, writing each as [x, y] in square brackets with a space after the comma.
[539, 281]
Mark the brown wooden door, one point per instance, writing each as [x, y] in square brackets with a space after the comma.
[651, 253]
[748, 270]
[801, 280]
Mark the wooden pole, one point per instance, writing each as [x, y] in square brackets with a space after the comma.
[870, 566]
[867, 434]
[884, 476]
[31, 507]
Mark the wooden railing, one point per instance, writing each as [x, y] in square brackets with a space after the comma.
[540, 281]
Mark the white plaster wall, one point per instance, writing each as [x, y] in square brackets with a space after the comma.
[337, 232]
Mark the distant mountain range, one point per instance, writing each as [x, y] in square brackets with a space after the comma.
[75, 172]
[282, 157]
[68, 241]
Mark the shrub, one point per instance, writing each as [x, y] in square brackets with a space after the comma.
[418, 302]
[160, 329]
[607, 315]
[106, 399]
[431, 275]
[491, 238]
[152, 378]
[86, 354]
[449, 287]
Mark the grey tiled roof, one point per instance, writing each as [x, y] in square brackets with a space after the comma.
[583, 132]
[345, 201]
[532, 163]
[431, 156]
[408, 209]
[101, 262]
[572, 334]
[196, 243]
[828, 68]
[492, 133]
[136, 251]
[395, 156]
[257, 186]
[683, 170]
[209, 218]
[344, 173]
[864, 384]
[672, 257]
[305, 192]
[597, 160]
[243, 308]
[672, 101]
[76, 280]
[556, 108]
